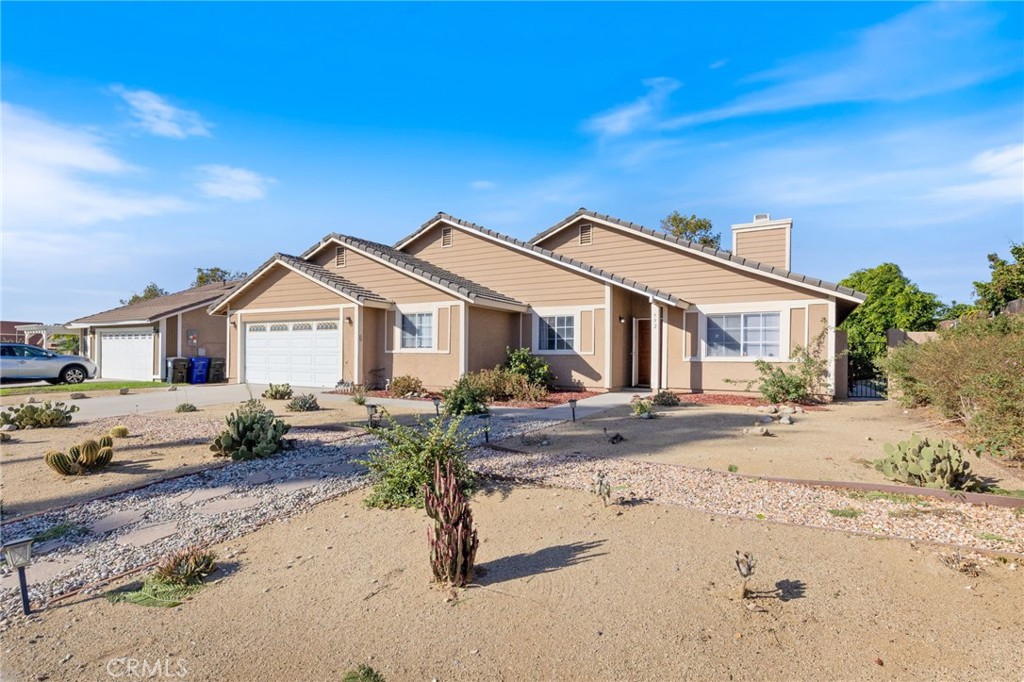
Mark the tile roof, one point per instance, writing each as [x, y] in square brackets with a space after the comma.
[550, 255]
[422, 268]
[321, 274]
[157, 308]
[716, 253]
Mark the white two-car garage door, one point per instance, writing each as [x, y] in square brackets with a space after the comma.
[126, 355]
[298, 353]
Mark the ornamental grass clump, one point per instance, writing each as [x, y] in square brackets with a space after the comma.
[404, 461]
[453, 540]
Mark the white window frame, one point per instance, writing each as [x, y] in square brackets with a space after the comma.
[747, 324]
[424, 319]
[576, 313]
[784, 308]
[416, 309]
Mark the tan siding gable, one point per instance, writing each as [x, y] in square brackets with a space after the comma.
[661, 265]
[280, 287]
[388, 282]
[507, 270]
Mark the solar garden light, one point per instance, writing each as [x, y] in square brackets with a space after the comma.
[371, 412]
[437, 406]
[19, 555]
[487, 426]
[572, 406]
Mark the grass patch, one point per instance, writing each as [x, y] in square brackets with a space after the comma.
[993, 537]
[733, 468]
[845, 513]
[73, 388]
[1007, 493]
[899, 498]
[59, 531]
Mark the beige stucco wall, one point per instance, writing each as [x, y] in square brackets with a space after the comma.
[171, 337]
[764, 246]
[211, 330]
[689, 276]
[490, 333]
[436, 369]
[509, 271]
[392, 283]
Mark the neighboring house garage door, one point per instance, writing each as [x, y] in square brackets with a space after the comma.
[126, 355]
[298, 353]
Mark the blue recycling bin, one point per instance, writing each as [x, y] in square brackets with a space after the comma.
[198, 370]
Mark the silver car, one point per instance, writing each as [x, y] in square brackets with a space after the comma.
[22, 362]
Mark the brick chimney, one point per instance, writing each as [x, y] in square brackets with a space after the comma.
[764, 240]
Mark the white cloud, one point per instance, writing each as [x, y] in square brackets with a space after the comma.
[718, 64]
[53, 177]
[642, 112]
[1002, 177]
[483, 185]
[237, 184]
[927, 50]
[157, 116]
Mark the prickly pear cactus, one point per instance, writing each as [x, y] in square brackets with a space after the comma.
[252, 432]
[61, 463]
[940, 465]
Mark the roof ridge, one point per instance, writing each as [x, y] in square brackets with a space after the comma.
[145, 304]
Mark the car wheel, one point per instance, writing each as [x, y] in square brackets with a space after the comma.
[73, 374]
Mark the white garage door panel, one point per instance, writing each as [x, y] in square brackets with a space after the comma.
[126, 355]
[299, 353]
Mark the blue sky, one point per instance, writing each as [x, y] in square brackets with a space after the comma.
[143, 140]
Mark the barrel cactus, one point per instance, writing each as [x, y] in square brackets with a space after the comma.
[89, 450]
[61, 463]
[75, 452]
[119, 432]
[105, 441]
[253, 432]
[940, 465]
[105, 456]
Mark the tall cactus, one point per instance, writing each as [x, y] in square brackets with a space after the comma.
[453, 540]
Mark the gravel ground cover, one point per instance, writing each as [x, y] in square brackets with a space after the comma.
[250, 494]
[991, 528]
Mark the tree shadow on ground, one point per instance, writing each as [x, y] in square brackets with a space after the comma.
[536, 563]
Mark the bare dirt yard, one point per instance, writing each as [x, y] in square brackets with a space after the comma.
[830, 443]
[569, 590]
[161, 445]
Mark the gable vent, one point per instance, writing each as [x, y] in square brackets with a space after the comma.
[586, 235]
[446, 236]
[762, 217]
[340, 256]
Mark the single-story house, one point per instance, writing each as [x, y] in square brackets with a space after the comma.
[134, 341]
[607, 303]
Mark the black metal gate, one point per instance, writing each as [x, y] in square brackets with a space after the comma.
[867, 381]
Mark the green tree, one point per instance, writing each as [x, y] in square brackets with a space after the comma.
[151, 291]
[955, 310]
[894, 302]
[692, 228]
[206, 276]
[1006, 283]
[66, 343]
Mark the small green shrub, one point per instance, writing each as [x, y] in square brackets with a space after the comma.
[42, 416]
[402, 386]
[806, 380]
[523, 362]
[733, 468]
[187, 567]
[363, 673]
[358, 395]
[665, 399]
[642, 407]
[466, 397]
[403, 463]
[185, 407]
[918, 462]
[278, 392]
[303, 403]
[253, 432]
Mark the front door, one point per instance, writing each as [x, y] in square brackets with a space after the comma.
[642, 352]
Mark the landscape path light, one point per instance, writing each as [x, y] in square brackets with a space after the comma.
[19, 555]
[371, 413]
[437, 406]
[572, 406]
[487, 426]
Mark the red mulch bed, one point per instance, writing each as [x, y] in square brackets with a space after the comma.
[552, 399]
[730, 399]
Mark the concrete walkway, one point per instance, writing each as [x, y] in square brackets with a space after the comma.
[148, 401]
